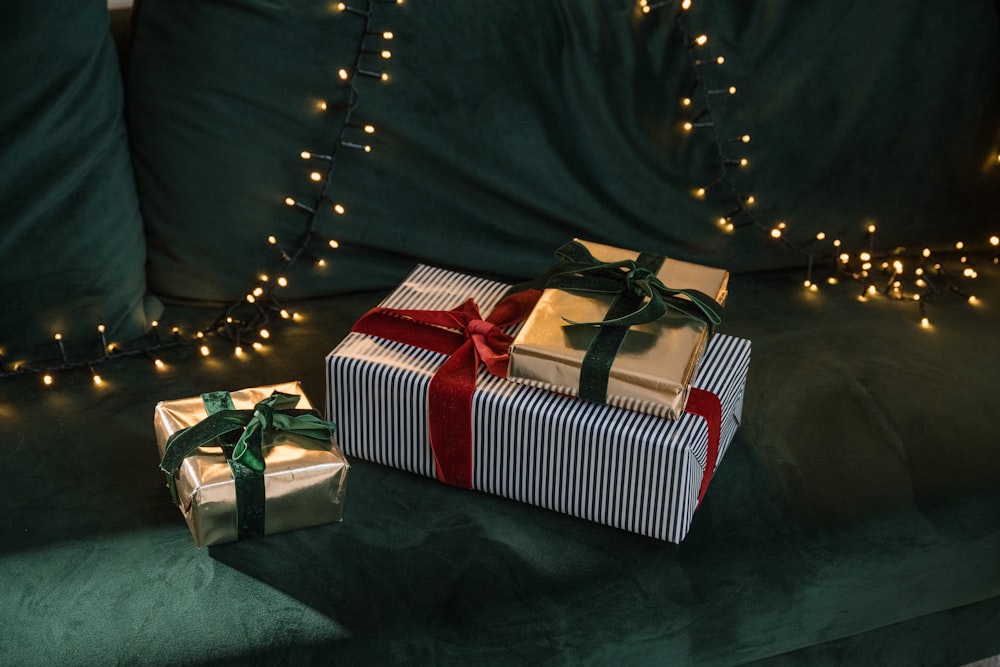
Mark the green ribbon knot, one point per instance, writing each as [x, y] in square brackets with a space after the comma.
[274, 413]
[578, 270]
[245, 455]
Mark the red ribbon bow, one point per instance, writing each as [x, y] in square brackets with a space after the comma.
[470, 340]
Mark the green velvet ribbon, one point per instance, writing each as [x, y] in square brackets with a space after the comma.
[245, 455]
[579, 271]
[640, 297]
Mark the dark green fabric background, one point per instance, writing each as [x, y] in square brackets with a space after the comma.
[508, 127]
[72, 246]
[856, 516]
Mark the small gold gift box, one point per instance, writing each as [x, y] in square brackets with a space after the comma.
[304, 477]
[656, 361]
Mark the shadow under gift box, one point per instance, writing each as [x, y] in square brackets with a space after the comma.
[304, 479]
[622, 468]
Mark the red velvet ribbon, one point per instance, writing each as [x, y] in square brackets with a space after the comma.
[705, 404]
[470, 340]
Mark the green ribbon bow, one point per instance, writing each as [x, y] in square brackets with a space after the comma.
[245, 456]
[579, 271]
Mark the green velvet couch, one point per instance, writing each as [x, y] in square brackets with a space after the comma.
[855, 518]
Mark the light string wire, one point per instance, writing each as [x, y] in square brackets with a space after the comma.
[247, 320]
[901, 274]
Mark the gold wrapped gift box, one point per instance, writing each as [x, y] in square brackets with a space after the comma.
[304, 479]
[656, 362]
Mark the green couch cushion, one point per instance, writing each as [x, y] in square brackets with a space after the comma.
[857, 503]
[508, 127]
[72, 247]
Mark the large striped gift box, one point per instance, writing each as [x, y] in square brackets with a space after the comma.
[633, 471]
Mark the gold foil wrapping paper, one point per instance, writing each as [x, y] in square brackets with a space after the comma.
[304, 479]
[656, 362]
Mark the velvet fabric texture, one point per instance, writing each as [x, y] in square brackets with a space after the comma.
[855, 518]
[507, 128]
[72, 246]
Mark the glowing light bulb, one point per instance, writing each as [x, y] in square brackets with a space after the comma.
[701, 40]
[926, 252]
[386, 54]
[959, 245]
[369, 129]
[844, 257]
[251, 298]
[776, 233]
[159, 364]
[744, 162]
[731, 90]
[686, 4]
[723, 222]
[238, 351]
[282, 281]
[321, 105]
[343, 74]
[730, 227]
[925, 323]
[284, 314]
[384, 77]
[688, 126]
[204, 350]
[305, 155]
[867, 266]
[258, 346]
[872, 290]
[832, 280]
[865, 256]
[871, 229]
[720, 60]
[836, 243]
[387, 35]
[341, 6]
[820, 236]
[339, 209]
[264, 333]
[919, 271]
[333, 244]
[58, 336]
[745, 138]
[807, 283]
[316, 176]
[751, 200]
[995, 240]
[321, 262]
[272, 240]
[258, 291]
[973, 300]
[47, 380]
[699, 193]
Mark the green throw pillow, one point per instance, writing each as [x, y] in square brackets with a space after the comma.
[72, 247]
[506, 128]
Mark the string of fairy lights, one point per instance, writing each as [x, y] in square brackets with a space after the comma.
[917, 276]
[245, 324]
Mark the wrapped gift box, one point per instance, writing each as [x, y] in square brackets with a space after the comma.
[619, 467]
[304, 478]
[655, 363]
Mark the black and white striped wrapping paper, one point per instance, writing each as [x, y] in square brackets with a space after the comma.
[625, 469]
